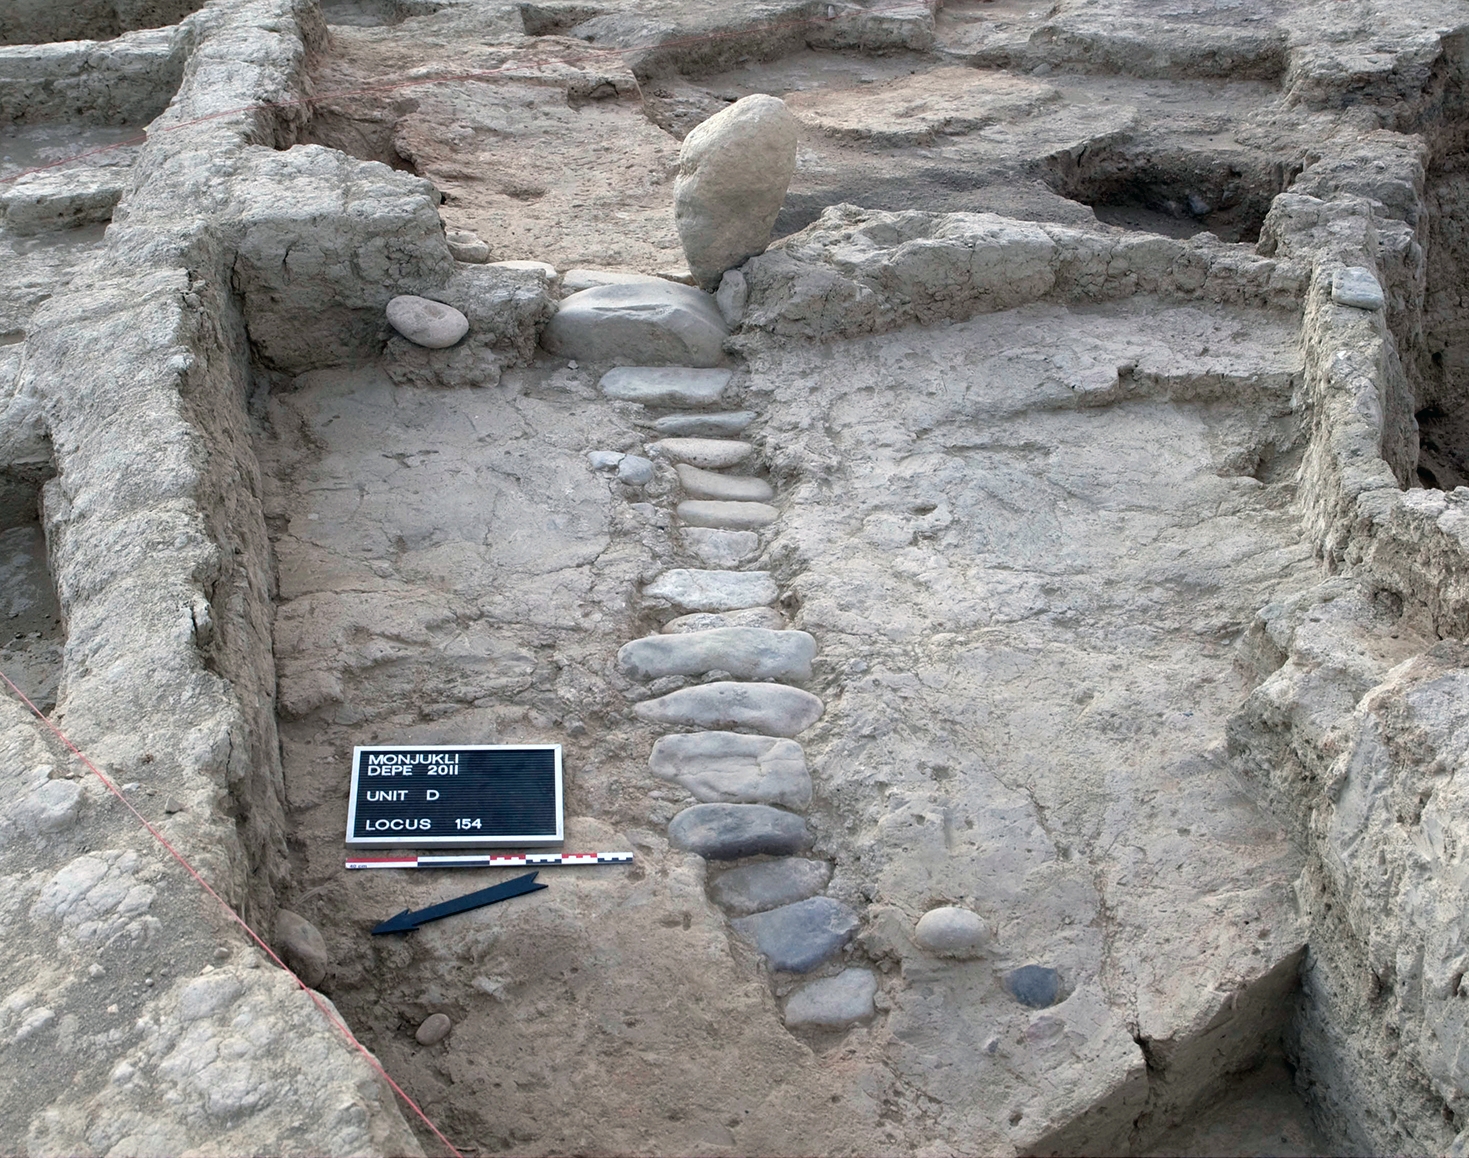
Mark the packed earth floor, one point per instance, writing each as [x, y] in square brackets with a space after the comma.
[1012, 614]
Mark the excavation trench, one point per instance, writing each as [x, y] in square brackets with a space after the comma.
[1026, 545]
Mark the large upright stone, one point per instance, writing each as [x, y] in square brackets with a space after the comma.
[639, 323]
[798, 937]
[748, 653]
[733, 172]
[730, 831]
[734, 768]
[772, 709]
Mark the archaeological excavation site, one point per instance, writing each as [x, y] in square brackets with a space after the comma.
[924, 542]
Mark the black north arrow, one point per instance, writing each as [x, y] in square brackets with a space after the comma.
[406, 922]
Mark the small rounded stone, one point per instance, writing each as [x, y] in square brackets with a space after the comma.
[435, 1028]
[426, 323]
[951, 932]
[301, 947]
[1035, 986]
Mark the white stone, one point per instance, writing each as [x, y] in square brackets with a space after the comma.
[711, 453]
[665, 385]
[713, 590]
[1357, 286]
[732, 297]
[720, 548]
[833, 1002]
[544, 267]
[731, 488]
[425, 322]
[733, 172]
[731, 516]
[750, 653]
[735, 768]
[951, 932]
[640, 324]
[770, 709]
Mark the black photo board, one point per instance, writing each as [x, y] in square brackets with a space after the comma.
[457, 796]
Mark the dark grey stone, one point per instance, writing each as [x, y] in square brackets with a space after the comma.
[1034, 985]
[797, 938]
[730, 831]
[753, 888]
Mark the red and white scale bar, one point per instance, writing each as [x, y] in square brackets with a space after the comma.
[518, 861]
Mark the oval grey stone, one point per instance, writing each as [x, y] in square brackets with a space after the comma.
[753, 888]
[425, 322]
[735, 768]
[710, 453]
[301, 947]
[642, 323]
[797, 938]
[749, 653]
[1036, 986]
[729, 488]
[699, 590]
[730, 831]
[704, 425]
[435, 1028]
[665, 385]
[728, 516]
[833, 1002]
[771, 709]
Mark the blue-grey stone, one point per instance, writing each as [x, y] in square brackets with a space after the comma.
[1357, 286]
[704, 425]
[797, 938]
[730, 831]
[1034, 985]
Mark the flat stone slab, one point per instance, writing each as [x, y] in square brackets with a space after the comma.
[725, 516]
[1357, 286]
[729, 488]
[833, 1002]
[665, 385]
[797, 938]
[705, 425]
[770, 709]
[766, 617]
[730, 831]
[425, 322]
[749, 653]
[713, 590]
[718, 547]
[753, 888]
[642, 323]
[734, 768]
[710, 453]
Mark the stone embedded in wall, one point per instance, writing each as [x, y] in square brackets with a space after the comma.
[1357, 286]
[773, 709]
[734, 768]
[731, 831]
[731, 297]
[797, 938]
[733, 172]
[1035, 986]
[644, 323]
[425, 322]
[466, 246]
[708, 453]
[950, 931]
[766, 617]
[733, 516]
[665, 385]
[833, 1002]
[704, 425]
[713, 590]
[750, 653]
[707, 484]
[301, 947]
[718, 548]
[769, 884]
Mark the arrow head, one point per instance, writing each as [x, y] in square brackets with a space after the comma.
[402, 923]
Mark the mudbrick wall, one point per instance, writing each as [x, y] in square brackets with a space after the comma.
[166, 409]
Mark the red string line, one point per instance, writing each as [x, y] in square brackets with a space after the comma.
[591, 55]
[234, 916]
